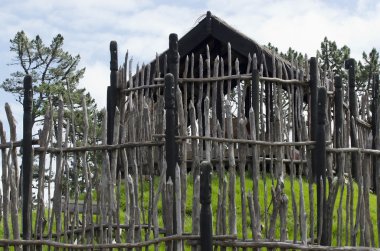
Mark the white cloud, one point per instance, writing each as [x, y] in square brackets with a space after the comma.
[143, 26]
[302, 25]
[96, 80]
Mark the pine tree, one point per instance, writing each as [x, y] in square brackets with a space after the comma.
[332, 58]
[366, 69]
[54, 72]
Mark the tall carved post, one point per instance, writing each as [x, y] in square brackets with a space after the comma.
[173, 58]
[171, 83]
[206, 214]
[338, 108]
[173, 67]
[255, 95]
[320, 155]
[170, 133]
[375, 104]
[350, 65]
[27, 160]
[112, 94]
[313, 111]
[377, 166]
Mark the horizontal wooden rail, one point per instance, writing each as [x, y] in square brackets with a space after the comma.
[287, 245]
[143, 87]
[225, 241]
[98, 147]
[221, 78]
[244, 141]
[215, 139]
[97, 227]
[183, 237]
[353, 149]
[16, 144]
[285, 81]
[4, 243]
[261, 159]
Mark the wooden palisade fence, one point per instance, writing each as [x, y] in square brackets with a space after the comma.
[294, 145]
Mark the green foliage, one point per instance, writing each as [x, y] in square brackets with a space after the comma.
[54, 71]
[332, 58]
[56, 74]
[271, 47]
[291, 55]
[365, 70]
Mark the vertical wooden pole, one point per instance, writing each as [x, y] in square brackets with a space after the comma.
[173, 67]
[27, 160]
[112, 94]
[247, 92]
[205, 199]
[171, 83]
[320, 155]
[5, 186]
[350, 65]
[170, 133]
[338, 102]
[377, 166]
[313, 111]
[339, 157]
[375, 104]
[255, 94]
[313, 125]
[219, 103]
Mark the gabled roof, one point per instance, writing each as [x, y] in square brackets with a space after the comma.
[216, 33]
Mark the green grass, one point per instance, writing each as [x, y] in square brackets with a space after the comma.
[290, 218]
[262, 194]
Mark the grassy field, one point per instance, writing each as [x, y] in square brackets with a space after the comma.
[290, 218]
[249, 184]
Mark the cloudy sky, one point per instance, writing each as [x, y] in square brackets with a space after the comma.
[143, 26]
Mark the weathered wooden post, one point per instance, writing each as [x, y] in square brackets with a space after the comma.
[377, 166]
[375, 104]
[255, 94]
[314, 112]
[350, 65]
[173, 58]
[112, 94]
[206, 214]
[338, 126]
[27, 160]
[339, 157]
[173, 67]
[320, 155]
[170, 133]
[171, 83]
